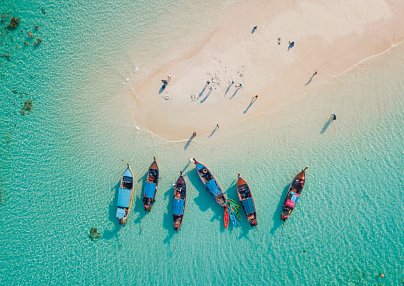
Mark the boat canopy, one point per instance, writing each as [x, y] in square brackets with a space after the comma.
[292, 200]
[128, 173]
[178, 207]
[213, 188]
[124, 197]
[150, 190]
[248, 205]
[199, 166]
[120, 213]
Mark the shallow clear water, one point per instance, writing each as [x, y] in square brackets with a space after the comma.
[59, 164]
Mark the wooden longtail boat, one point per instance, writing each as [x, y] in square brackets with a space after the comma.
[180, 198]
[150, 187]
[211, 184]
[226, 217]
[247, 201]
[125, 196]
[295, 189]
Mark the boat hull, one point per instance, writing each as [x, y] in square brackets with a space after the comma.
[179, 202]
[226, 218]
[210, 183]
[247, 201]
[151, 186]
[294, 191]
[125, 196]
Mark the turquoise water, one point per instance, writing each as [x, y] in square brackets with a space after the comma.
[59, 164]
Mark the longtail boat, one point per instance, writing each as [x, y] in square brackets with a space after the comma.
[180, 198]
[295, 189]
[125, 196]
[211, 184]
[150, 187]
[226, 218]
[247, 201]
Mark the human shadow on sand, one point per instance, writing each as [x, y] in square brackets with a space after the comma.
[162, 88]
[235, 92]
[113, 233]
[251, 104]
[309, 81]
[213, 131]
[202, 91]
[326, 125]
[206, 96]
[277, 214]
[228, 88]
[188, 143]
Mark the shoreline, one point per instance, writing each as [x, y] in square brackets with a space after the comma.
[263, 67]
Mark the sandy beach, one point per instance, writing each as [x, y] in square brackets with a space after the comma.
[296, 46]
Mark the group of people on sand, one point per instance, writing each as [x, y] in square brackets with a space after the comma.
[212, 82]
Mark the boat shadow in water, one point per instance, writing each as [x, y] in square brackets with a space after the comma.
[231, 193]
[277, 214]
[138, 201]
[204, 200]
[113, 233]
[168, 216]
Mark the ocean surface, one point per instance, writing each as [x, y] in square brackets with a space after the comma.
[60, 163]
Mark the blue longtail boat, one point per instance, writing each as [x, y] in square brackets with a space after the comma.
[125, 196]
[211, 184]
[293, 195]
[180, 198]
[247, 201]
[150, 187]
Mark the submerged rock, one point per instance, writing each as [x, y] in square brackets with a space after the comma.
[7, 56]
[14, 22]
[27, 107]
[38, 41]
[94, 234]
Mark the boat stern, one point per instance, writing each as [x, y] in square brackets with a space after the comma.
[253, 222]
[177, 224]
[147, 207]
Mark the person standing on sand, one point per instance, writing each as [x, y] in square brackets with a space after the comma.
[194, 135]
[217, 126]
[254, 98]
[166, 81]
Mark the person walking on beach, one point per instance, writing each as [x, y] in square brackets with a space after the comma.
[217, 127]
[194, 135]
[166, 81]
[254, 29]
